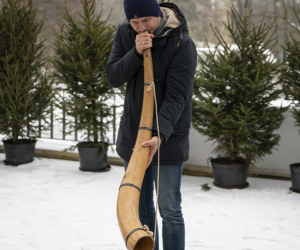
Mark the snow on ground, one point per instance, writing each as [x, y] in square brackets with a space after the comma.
[49, 204]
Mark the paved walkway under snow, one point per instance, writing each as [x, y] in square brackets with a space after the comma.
[51, 205]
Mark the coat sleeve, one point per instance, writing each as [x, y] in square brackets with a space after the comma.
[122, 65]
[179, 86]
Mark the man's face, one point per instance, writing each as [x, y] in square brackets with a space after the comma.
[142, 24]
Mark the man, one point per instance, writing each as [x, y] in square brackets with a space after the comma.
[174, 63]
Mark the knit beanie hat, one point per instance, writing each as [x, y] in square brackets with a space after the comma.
[141, 8]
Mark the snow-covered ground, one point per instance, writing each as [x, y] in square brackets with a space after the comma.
[49, 204]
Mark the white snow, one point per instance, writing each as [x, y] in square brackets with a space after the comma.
[61, 145]
[49, 204]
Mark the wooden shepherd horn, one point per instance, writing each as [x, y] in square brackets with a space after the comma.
[135, 236]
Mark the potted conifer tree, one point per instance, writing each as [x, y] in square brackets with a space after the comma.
[82, 49]
[233, 91]
[291, 80]
[26, 89]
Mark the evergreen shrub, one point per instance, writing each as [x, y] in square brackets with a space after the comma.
[291, 71]
[26, 90]
[82, 48]
[234, 89]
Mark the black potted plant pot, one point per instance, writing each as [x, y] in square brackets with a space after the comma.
[229, 176]
[295, 177]
[19, 153]
[92, 159]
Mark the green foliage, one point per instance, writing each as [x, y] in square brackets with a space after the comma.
[25, 88]
[233, 91]
[82, 49]
[205, 187]
[291, 73]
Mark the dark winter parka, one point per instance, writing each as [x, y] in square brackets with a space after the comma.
[174, 63]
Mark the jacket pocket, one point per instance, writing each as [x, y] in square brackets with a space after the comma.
[177, 146]
[123, 132]
[125, 115]
[181, 129]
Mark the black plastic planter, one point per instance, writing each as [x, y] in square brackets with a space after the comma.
[89, 159]
[20, 153]
[295, 176]
[230, 176]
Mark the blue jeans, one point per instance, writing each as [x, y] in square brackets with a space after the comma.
[169, 203]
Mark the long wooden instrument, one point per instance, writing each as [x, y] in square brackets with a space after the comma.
[134, 234]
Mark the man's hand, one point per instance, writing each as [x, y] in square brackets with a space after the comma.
[153, 143]
[143, 41]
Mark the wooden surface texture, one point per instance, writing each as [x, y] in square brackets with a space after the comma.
[128, 198]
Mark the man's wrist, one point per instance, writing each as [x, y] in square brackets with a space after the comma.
[160, 140]
[137, 53]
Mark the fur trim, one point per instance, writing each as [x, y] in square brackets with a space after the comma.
[173, 22]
